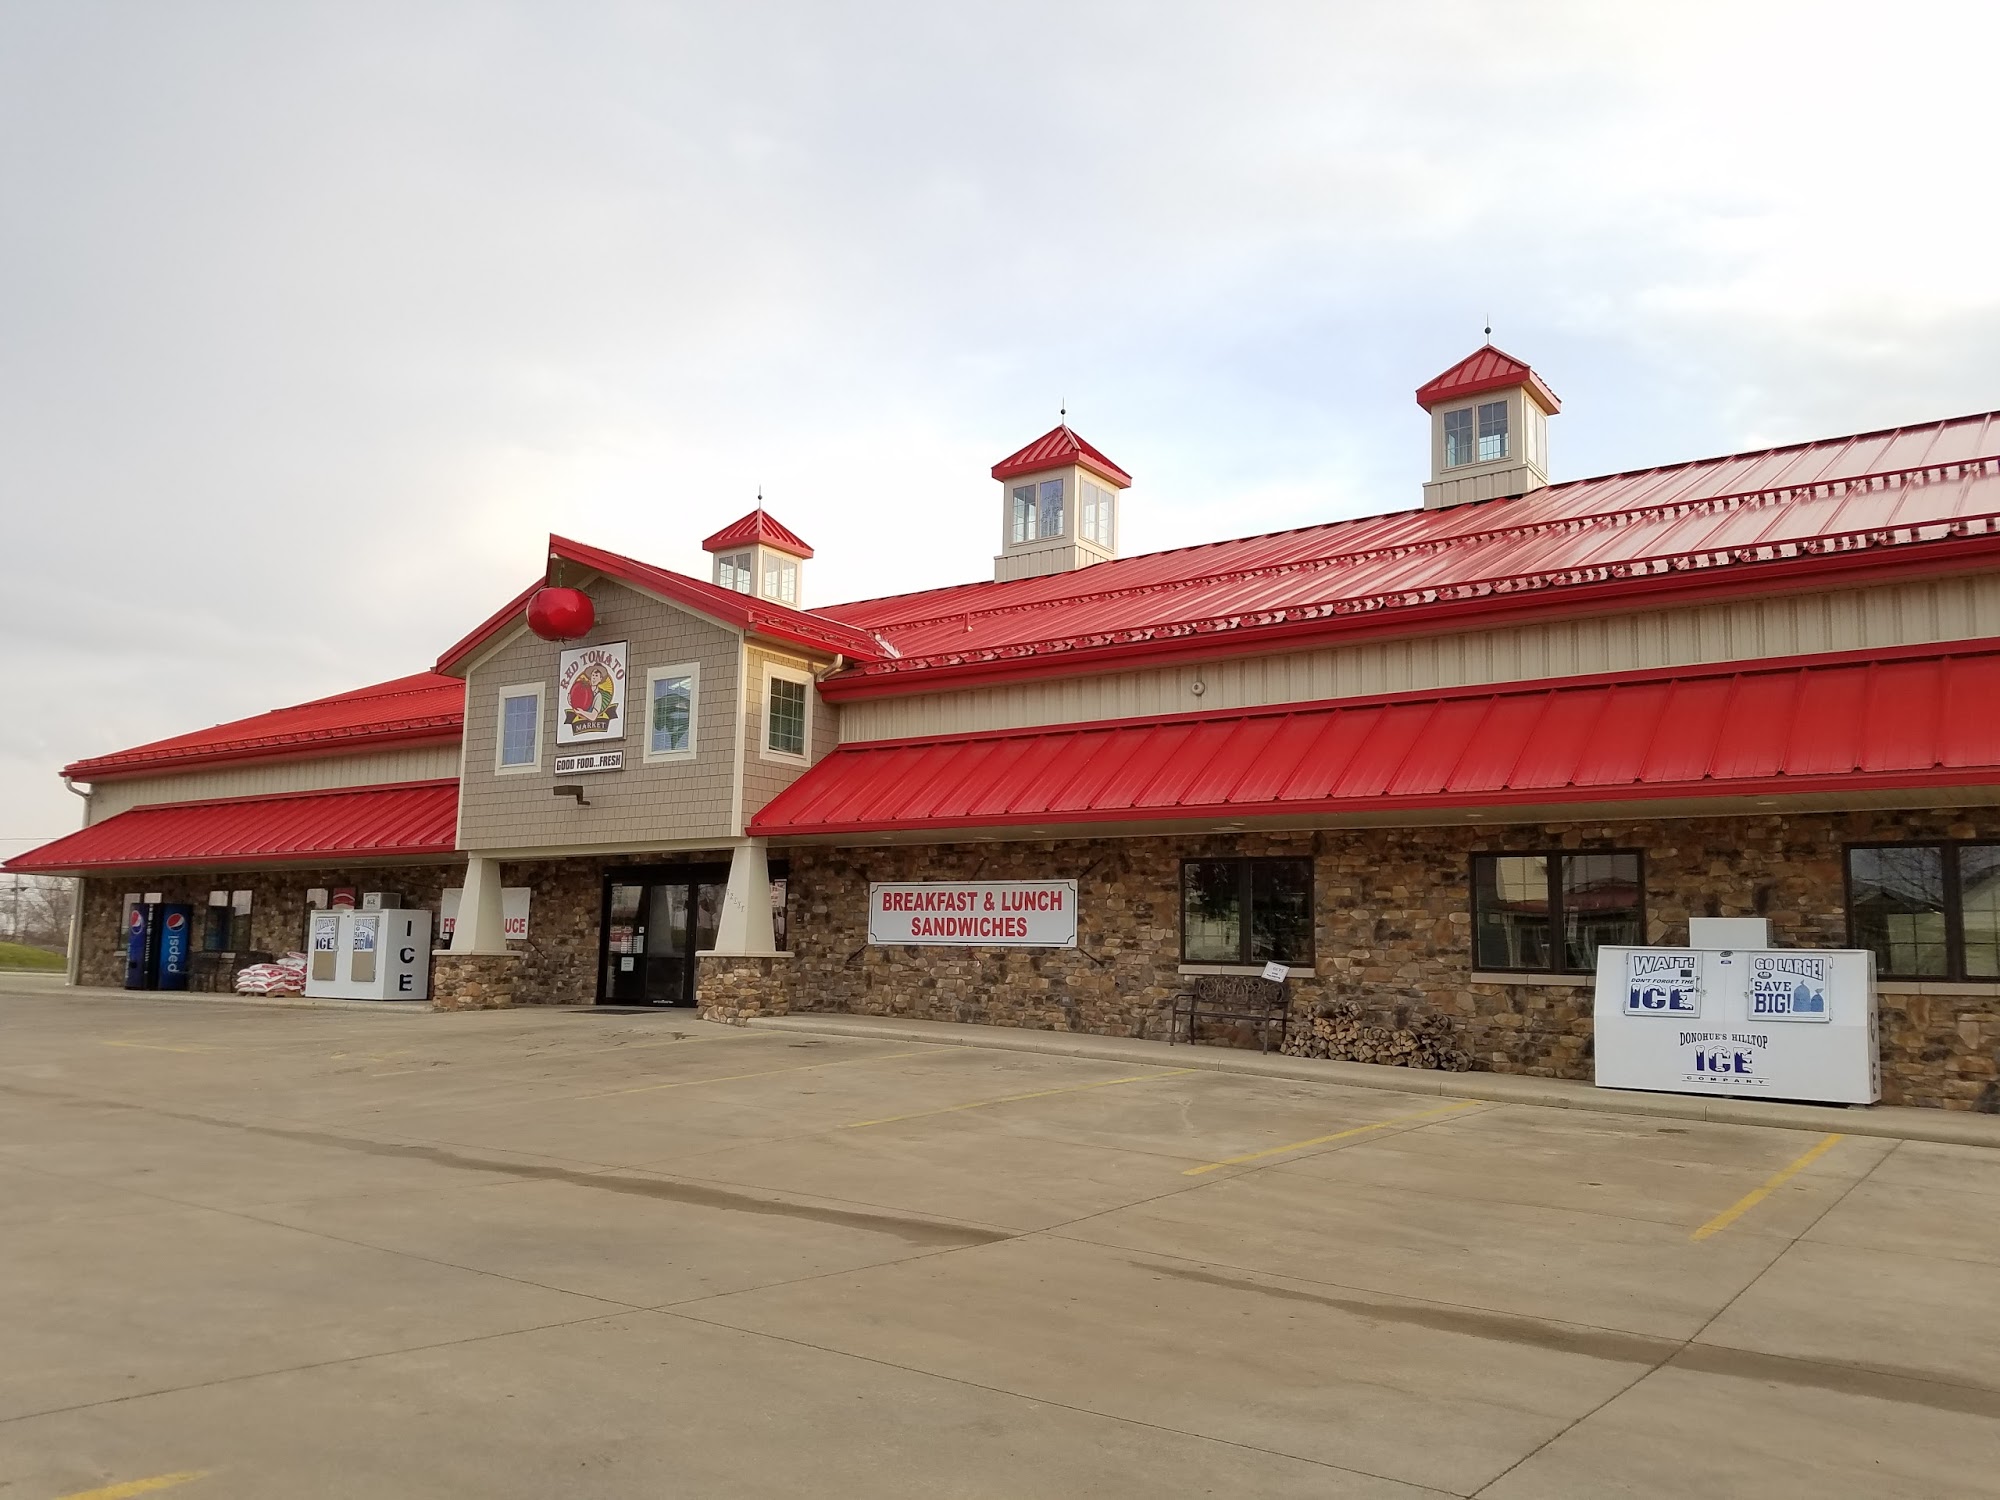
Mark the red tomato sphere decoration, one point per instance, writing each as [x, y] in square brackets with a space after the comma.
[561, 614]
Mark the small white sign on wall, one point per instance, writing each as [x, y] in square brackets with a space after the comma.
[583, 765]
[513, 911]
[974, 914]
[1276, 972]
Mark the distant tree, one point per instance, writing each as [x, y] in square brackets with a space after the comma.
[37, 910]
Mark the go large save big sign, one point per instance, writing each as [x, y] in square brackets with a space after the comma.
[975, 914]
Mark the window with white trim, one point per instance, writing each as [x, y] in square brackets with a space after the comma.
[781, 579]
[732, 571]
[1038, 511]
[670, 709]
[1475, 434]
[1094, 514]
[787, 713]
[518, 745]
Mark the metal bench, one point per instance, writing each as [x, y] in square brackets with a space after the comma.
[1247, 998]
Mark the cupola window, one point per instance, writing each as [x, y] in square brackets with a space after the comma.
[1038, 511]
[733, 572]
[1475, 434]
[1094, 519]
[1492, 431]
[781, 579]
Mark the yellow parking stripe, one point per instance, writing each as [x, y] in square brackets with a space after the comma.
[138, 1486]
[1075, 1088]
[1338, 1135]
[1757, 1195]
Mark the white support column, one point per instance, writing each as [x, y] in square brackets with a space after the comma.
[745, 924]
[481, 926]
[73, 964]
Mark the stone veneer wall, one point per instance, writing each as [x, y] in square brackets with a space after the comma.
[734, 989]
[559, 959]
[277, 905]
[1392, 933]
[473, 981]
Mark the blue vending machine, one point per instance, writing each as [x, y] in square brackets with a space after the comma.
[158, 942]
[176, 928]
[142, 945]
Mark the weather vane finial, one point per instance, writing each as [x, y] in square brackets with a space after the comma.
[1062, 411]
[1489, 328]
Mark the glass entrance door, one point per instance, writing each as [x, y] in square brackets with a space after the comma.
[653, 928]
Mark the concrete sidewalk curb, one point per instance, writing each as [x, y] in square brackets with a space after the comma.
[1940, 1126]
[204, 997]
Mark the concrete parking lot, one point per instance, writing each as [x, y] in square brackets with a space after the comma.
[248, 1252]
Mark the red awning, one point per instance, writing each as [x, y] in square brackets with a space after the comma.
[1886, 721]
[363, 823]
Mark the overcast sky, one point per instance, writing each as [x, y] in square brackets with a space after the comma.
[314, 320]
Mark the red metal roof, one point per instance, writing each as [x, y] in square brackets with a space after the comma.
[364, 823]
[1915, 718]
[422, 706]
[1054, 448]
[759, 526]
[1921, 497]
[1486, 369]
[749, 612]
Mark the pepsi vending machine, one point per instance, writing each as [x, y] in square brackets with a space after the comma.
[157, 944]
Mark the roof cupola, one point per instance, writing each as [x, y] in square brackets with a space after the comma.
[759, 555]
[1059, 500]
[1489, 429]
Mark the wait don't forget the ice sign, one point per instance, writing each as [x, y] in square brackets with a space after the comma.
[975, 914]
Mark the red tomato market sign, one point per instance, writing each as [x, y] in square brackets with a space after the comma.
[974, 914]
[590, 694]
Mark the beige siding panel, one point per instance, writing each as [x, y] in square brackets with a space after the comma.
[666, 803]
[261, 778]
[1904, 614]
[764, 779]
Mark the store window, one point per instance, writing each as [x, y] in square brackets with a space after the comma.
[1550, 913]
[1094, 515]
[785, 696]
[1926, 911]
[781, 580]
[1246, 911]
[228, 926]
[215, 933]
[1475, 434]
[519, 745]
[732, 571]
[1038, 511]
[670, 700]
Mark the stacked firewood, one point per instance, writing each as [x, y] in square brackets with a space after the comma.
[1337, 1031]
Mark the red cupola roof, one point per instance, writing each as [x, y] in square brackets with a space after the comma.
[759, 526]
[1485, 369]
[1055, 448]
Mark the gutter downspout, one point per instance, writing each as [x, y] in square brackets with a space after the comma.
[73, 960]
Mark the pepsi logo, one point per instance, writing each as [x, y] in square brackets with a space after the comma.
[177, 920]
[138, 919]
